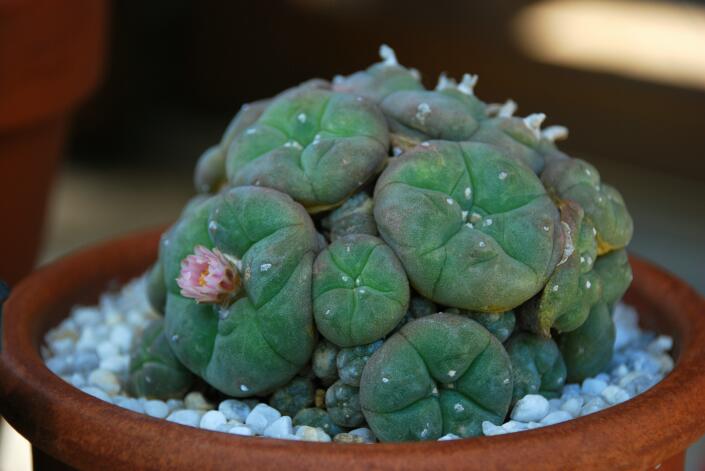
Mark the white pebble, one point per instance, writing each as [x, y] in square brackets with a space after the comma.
[130, 403]
[77, 380]
[62, 346]
[312, 434]
[261, 417]
[85, 361]
[185, 417]
[448, 436]
[106, 350]
[661, 344]
[85, 316]
[366, 434]
[593, 386]
[556, 417]
[195, 400]
[116, 364]
[593, 405]
[234, 410]
[554, 405]
[174, 404]
[572, 405]
[121, 337]
[532, 407]
[489, 429]
[105, 380]
[212, 419]
[155, 408]
[95, 392]
[571, 389]
[515, 426]
[280, 428]
[57, 365]
[614, 394]
[241, 430]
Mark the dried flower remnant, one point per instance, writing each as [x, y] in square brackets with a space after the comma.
[208, 276]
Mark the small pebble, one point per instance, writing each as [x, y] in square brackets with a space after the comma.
[241, 430]
[155, 408]
[195, 400]
[212, 419]
[261, 417]
[572, 405]
[95, 392]
[448, 436]
[556, 417]
[174, 404]
[85, 361]
[593, 386]
[234, 410]
[185, 417]
[280, 428]
[105, 380]
[106, 350]
[514, 426]
[131, 404]
[489, 429]
[614, 394]
[367, 435]
[593, 405]
[532, 407]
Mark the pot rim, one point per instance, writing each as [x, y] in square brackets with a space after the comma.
[641, 432]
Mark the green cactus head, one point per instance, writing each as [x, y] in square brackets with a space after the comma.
[537, 365]
[573, 288]
[577, 180]
[440, 374]
[380, 79]
[154, 371]
[473, 228]
[258, 339]
[316, 145]
[360, 290]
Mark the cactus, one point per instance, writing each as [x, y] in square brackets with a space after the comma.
[316, 145]
[258, 340]
[473, 228]
[577, 180]
[537, 366]
[353, 217]
[587, 350]
[298, 394]
[323, 363]
[573, 288]
[351, 362]
[440, 374]
[343, 405]
[405, 259]
[360, 290]
[154, 370]
[315, 417]
[499, 324]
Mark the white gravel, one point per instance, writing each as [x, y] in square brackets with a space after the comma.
[90, 350]
[640, 361]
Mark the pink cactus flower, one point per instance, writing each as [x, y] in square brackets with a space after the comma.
[208, 276]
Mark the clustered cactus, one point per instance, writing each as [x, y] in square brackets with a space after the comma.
[369, 251]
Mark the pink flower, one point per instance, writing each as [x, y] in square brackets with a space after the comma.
[208, 276]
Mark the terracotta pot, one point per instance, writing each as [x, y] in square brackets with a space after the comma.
[51, 58]
[651, 429]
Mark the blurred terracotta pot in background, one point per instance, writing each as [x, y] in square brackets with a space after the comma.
[51, 58]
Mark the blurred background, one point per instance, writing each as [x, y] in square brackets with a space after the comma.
[161, 79]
